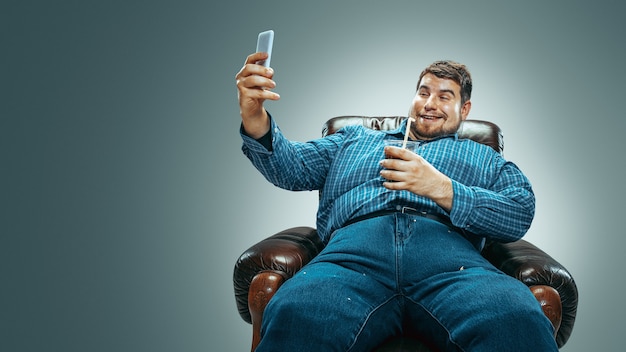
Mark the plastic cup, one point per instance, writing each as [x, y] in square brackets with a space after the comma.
[410, 145]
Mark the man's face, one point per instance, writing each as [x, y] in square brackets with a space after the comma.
[437, 108]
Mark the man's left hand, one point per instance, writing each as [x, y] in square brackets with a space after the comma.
[405, 170]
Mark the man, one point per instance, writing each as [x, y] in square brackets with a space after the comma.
[403, 230]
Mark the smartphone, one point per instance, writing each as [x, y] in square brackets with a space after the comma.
[264, 43]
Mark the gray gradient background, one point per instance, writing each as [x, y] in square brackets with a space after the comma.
[126, 199]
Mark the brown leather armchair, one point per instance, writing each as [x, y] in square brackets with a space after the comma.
[262, 269]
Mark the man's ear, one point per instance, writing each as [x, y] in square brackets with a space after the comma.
[465, 109]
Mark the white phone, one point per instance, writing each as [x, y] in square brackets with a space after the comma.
[264, 43]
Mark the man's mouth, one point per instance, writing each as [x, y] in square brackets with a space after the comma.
[430, 117]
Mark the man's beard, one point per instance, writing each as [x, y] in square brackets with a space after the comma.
[431, 133]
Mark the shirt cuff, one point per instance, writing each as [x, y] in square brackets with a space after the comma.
[462, 206]
[263, 144]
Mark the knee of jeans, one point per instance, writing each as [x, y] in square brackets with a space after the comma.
[522, 312]
[514, 324]
[512, 306]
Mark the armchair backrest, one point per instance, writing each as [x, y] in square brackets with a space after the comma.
[480, 131]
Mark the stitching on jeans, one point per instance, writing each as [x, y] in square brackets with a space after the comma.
[367, 318]
[438, 322]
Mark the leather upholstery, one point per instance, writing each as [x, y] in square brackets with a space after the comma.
[483, 132]
[262, 268]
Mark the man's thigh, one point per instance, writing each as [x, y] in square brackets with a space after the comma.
[326, 307]
[478, 309]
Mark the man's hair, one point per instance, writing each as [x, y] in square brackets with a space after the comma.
[454, 71]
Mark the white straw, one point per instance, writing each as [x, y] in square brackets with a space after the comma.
[406, 133]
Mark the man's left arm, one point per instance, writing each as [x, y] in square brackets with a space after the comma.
[504, 212]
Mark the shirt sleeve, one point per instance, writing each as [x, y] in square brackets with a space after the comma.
[504, 212]
[295, 166]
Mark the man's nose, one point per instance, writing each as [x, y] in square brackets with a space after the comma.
[431, 103]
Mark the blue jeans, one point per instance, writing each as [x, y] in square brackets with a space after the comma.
[403, 273]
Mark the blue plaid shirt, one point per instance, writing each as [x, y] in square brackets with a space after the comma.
[492, 197]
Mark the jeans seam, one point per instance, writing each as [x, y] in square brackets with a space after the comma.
[367, 318]
[450, 338]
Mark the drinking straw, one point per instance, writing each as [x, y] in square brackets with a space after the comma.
[406, 133]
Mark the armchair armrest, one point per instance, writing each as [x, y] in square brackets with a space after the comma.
[282, 255]
[264, 267]
[543, 275]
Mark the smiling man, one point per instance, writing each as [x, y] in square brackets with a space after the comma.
[442, 100]
[403, 230]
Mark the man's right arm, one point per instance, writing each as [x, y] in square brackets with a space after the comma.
[254, 84]
[291, 165]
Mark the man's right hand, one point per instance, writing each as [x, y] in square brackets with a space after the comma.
[254, 84]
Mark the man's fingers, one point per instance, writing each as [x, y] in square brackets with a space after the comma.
[399, 153]
[256, 87]
[254, 58]
[252, 76]
[393, 175]
[254, 71]
[257, 82]
[251, 68]
[394, 186]
[393, 164]
[258, 94]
